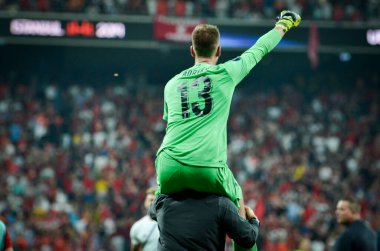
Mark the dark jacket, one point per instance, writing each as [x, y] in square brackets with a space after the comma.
[196, 221]
[357, 236]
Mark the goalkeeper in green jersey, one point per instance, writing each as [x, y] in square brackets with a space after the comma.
[193, 154]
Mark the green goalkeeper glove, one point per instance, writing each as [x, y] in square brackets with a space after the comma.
[288, 19]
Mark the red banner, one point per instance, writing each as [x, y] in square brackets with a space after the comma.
[177, 30]
[312, 50]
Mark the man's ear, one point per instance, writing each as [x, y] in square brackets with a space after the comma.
[192, 52]
[218, 51]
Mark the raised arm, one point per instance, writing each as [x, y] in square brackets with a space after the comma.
[239, 67]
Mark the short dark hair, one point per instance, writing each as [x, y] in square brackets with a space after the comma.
[205, 39]
[353, 204]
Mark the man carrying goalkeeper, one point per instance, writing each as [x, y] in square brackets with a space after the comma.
[193, 154]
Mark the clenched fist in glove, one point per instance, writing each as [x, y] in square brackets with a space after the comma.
[288, 19]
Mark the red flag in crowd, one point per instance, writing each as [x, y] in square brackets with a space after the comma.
[260, 208]
[312, 51]
[175, 30]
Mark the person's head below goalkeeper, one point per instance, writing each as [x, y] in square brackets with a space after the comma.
[206, 37]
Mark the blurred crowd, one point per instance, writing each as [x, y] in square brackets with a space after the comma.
[76, 160]
[338, 10]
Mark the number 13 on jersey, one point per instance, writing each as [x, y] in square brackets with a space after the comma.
[196, 98]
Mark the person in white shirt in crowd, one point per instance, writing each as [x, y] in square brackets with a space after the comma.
[144, 232]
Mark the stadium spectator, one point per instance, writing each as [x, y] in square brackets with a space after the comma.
[5, 240]
[144, 233]
[197, 221]
[357, 234]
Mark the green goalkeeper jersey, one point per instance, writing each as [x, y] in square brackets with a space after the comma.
[197, 103]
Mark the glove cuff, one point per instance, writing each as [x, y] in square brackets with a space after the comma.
[285, 24]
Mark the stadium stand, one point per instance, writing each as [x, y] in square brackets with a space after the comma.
[337, 10]
[76, 155]
[76, 159]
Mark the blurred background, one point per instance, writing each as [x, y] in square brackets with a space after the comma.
[81, 102]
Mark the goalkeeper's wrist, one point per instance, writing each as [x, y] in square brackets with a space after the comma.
[283, 27]
[280, 29]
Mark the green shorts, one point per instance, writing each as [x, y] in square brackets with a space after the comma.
[173, 176]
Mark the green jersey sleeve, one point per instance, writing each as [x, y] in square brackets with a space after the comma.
[239, 67]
